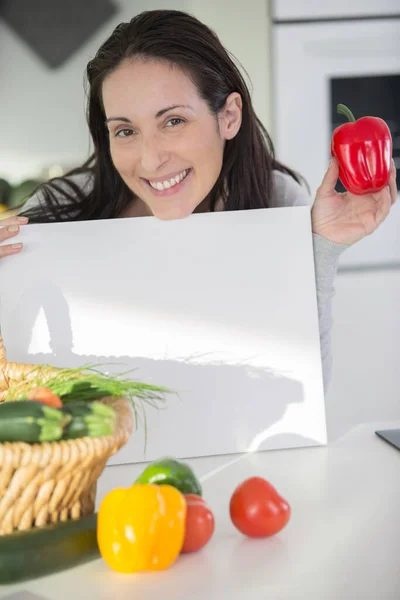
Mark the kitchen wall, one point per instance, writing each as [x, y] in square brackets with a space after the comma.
[42, 118]
[247, 34]
[365, 384]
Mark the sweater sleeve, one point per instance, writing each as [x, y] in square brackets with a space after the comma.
[287, 192]
[326, 257]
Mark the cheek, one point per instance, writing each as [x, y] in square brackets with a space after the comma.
[207, 153]
[115, 155]
[122, 157]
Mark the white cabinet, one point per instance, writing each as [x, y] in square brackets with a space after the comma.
[315, 9]
[311, 62]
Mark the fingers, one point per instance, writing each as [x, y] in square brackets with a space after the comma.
[392, 184]
[9, 228]
[384, 204]
[10, 249]
[15, 221]
[329, 181]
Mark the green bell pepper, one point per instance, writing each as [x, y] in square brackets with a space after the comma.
[169, 471]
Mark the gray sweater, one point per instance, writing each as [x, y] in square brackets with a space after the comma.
[287, 192]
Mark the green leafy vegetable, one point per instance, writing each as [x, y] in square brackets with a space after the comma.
[87, 383]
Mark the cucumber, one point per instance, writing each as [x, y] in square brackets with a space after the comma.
[91, 419]
[82, 409]
[44, 550]
[32, 422]
[83, 389]
[77, 428]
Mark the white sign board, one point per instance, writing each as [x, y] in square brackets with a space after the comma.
[219, 307]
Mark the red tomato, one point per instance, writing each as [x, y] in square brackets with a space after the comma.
[44, 396]
[257, 510]
[200, 523]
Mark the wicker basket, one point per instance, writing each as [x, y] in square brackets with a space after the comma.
[52, 481]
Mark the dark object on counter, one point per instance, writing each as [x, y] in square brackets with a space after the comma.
[391, 436]
[45, 550]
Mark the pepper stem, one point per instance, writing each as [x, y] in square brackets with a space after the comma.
[343, 110]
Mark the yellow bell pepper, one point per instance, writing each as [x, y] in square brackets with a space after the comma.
[141, 528]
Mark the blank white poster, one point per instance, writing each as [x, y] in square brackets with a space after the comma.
[219, 307]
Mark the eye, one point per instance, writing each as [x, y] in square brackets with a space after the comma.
[173, 122]
[123, 133]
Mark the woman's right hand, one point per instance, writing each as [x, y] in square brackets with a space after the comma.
[9, 228]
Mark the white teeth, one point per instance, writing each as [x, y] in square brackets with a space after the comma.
[165, 185]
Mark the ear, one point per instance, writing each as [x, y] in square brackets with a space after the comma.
[230, 116]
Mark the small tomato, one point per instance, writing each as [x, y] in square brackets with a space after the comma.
[200, 524]
[45, 396]
[257, 510]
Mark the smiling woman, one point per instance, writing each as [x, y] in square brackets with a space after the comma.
[174, 132]
[165, 100]
[170, 156]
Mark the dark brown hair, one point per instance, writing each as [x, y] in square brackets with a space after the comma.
[179, 39]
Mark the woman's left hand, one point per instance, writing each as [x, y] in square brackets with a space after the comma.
[344, 218]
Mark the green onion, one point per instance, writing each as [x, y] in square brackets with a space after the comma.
[88, 384]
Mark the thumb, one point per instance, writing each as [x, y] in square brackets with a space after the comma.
[329, 181]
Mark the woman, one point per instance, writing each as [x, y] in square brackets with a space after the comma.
[174, 132]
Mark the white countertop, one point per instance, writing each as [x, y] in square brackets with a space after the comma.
[342, 542]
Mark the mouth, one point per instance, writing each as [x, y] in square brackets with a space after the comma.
[170, 186]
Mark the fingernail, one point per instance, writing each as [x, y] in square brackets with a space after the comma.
[16, 245]
[13, 228]
[23, 219]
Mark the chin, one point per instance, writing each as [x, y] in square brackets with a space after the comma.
[174, 214]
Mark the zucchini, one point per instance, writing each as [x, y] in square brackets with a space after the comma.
[83, 389]
[89, 419]
[32, 422]
[44, 550]
[82, 409]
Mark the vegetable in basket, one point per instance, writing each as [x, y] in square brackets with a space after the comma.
[44, 396]
[85, 385]
[29, 421]
[93, 419]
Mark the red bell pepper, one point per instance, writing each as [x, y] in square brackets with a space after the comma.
[363, 149]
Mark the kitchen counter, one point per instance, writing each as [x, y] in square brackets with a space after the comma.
[342, 542]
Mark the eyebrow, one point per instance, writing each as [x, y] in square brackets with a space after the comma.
[165, 110]
[158, 115]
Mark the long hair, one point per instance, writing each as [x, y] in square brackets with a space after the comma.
[177, 38]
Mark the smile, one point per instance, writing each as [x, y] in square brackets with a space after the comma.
[169, 183]
[171, 186]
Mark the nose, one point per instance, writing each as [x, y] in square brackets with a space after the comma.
[153, 154]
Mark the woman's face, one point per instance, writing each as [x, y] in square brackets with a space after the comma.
[164, 142]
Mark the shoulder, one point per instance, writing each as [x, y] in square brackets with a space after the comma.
[83, 181]
[287, 192]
